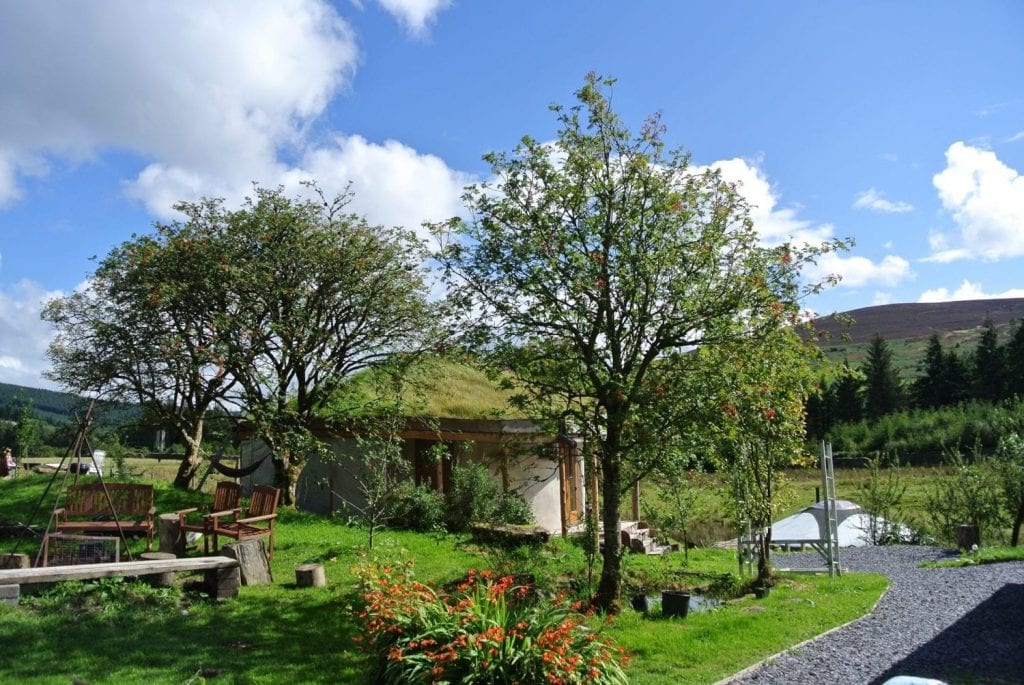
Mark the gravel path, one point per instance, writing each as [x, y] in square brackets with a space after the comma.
[959, 625]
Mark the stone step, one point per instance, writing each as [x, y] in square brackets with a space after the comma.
[638, 538]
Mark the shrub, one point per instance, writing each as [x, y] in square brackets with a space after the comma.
[926, 433]
[882, 495]
[970, 494]
[473, 497]
[487, 629]
[114, 598]
[513, 508]
[417, 507]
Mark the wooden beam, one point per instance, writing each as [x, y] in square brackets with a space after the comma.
[55, 574]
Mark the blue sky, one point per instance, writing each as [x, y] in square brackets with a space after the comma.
[898, 124]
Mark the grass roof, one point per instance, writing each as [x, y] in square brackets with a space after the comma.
[434, 387]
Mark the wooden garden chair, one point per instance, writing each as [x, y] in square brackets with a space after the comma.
[258, 520]
[226, 497]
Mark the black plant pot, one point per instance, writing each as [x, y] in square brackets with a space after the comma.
[641, 602]
[675, 603]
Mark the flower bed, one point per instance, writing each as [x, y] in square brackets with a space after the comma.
[487, 629]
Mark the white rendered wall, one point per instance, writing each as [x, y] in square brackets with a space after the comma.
[327, 487]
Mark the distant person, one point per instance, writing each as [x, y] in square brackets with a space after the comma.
[8, 467]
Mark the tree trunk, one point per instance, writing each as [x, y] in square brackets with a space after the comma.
[253, 562]
[286, 478]
[764, 566]
[1017, 521]
[609, 585]
[193, 457]
[764, 563]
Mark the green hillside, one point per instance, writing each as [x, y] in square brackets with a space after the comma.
[58, 408]
[50, 406]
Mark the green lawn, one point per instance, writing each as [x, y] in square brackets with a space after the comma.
[281, 634]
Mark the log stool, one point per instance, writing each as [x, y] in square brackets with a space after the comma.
[172, 540]
[158, 579]
[14, 561]
[310, 575]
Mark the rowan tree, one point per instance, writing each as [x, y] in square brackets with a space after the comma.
[764, 386]
[589, 265]
[317, 294]
[268, 308]
[148, 328]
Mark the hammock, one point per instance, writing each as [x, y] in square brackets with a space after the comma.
[232, 472]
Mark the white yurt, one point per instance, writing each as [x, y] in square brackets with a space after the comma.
[808, 525]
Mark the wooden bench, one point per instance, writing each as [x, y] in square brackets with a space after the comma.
[222, 574]
[132, 508]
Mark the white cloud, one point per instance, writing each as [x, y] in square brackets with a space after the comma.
[216, 97]
[26, 336]
[415, 14]
[986, 200]
[989, 110]
[857, 272]
[967, 291]
[1019, 135]
[777, 225]
[948, 256]
[881, 298]
[873, 200]
[211, 91]
[392, 183]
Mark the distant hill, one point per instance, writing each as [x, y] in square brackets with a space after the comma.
[907, 328]
[50, 405]
[920, 320]
[57, 408]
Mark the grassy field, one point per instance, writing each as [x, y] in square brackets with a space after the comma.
[709, 520]
[101, 633]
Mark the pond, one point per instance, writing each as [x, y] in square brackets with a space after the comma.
[697, 603]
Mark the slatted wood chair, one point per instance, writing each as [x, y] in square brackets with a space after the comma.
[226, 497]
[258, 520]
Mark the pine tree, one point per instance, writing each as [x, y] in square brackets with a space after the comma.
[820, 411]
[1014, 360]
[956, 385]
[848, 406]
[882, 391]
[928, 388]
[988, 371]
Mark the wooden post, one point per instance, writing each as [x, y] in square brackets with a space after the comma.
[594, 485]
[171, 539]
[310, 575]
[253, 563]
[563, 494]
[636, 501]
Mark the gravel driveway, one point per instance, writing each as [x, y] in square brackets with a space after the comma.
[960, 625]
